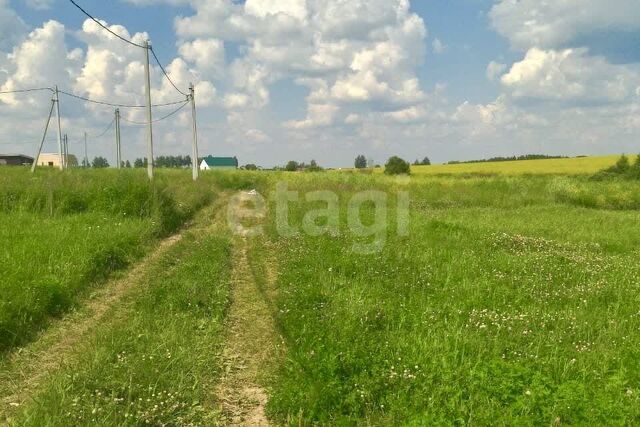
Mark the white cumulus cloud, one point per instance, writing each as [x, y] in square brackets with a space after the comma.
[570, 74]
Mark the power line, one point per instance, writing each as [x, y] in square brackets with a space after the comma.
[165, 72]
[104, 26]
[157, 120]
[25, 142]
[26, 90]
[111, 104]
[131, 43]
[105, 131]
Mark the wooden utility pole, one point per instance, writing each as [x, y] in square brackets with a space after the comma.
[118, 147]
[57, 98]
[147, 83]
[65, 151]
[44, 136]
[194, 151]
[86, 156]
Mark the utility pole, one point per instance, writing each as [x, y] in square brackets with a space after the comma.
[65, 151]
[57, 98]
[118, 148]
[194, 151]
[44, 136]
[147, 82]
[86, 156]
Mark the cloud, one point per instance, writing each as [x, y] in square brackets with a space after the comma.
[362, 51]
[104, 69]
[570, 74]
[40, 4]
[12, 27]
[256, 135]
[208, 55]
[409, 115]
[152, 2]
[553, 24]
[36, 62]
[438, 46]
[318, 115]
[358, 63]
[495, 70]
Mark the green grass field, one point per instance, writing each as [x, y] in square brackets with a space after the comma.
[65, 232]
[504, 305]
[511, 299]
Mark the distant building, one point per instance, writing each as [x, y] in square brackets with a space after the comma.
[15, 160]
[52, 159]
[49, 159]
[211, 162]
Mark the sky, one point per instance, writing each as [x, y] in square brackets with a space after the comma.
[280, 80]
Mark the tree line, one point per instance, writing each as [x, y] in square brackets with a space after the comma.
[508, 159]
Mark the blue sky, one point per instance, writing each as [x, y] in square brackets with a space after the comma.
[327, 80]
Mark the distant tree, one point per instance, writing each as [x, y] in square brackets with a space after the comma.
[138, 163]
[397, 166]
[314, 167]
[173, 161]
[251, 167]
[72, 161]
[100, 162]
[127, 164]
[292, 166]
[416, 162]
[622, 166]
[360, 162]
[426, 162]
[634, 171]
[85, 163]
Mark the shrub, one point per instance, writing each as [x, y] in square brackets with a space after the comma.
[100, 162]
[623, 168]
[397, 166]
[292, 166]
[314, 167]
[361, 162]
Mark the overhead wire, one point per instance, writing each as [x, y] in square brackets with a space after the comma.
[105, 131]
[3, 92]
[112, 104]
[105, 27]
[165, 72]
[26, 142]
[176, 111]
[131, 43]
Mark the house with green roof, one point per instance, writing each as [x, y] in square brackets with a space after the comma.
[211, 162]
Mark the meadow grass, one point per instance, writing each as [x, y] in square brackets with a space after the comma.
[63, 232]
[505, 304]
[513, 300]
[156, 360]
[572, 166]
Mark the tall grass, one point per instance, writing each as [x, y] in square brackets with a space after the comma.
[155, 360]
[505, 305]
[64, 232]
